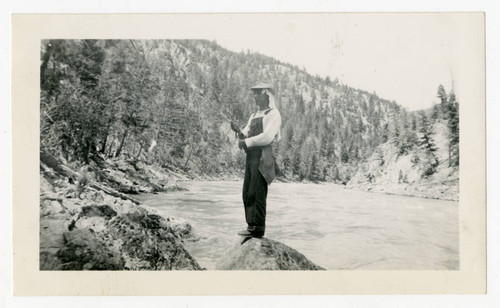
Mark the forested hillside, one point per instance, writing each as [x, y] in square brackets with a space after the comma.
[168, 102]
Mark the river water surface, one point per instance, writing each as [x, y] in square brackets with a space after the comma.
[334, 227]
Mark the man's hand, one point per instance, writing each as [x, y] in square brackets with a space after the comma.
[235, 128]
[242, 144]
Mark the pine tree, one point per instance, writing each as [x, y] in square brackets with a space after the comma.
[453, 132]
[385, 133]
[315, 173]
[443, 97]
[287, 166]
[427, 143]
[426, 140]
[344, 153]
[297, 161]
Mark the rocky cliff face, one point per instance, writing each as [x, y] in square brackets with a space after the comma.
[86, 229]
[387, 171]
[264, 254]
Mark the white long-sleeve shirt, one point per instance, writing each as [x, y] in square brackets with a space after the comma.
[271, 124]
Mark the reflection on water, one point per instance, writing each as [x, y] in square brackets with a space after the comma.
[334, 227]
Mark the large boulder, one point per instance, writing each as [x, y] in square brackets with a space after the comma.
[147, 243]
[264, 254]
[84, 250]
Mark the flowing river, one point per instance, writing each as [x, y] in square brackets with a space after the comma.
[334, 227]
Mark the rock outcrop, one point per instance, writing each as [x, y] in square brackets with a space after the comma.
[85, 229]
[264, 254]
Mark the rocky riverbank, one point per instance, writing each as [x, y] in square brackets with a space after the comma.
[84, 228]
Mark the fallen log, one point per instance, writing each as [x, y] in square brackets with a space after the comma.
[112, 192]
[64, 170]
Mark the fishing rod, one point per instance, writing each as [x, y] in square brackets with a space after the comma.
[230, 120]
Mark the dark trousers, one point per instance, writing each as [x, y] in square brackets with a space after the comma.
[254, 192]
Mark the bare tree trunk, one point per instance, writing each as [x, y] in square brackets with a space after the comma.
[105, 141]
[139, 153]
[118, 152]
[110, 148]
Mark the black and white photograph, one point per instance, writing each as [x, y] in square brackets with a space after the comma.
[308, 142]
[190, 154]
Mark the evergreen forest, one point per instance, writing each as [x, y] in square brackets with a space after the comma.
[169, 103]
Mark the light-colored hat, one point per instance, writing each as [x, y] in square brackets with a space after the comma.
[264, 85]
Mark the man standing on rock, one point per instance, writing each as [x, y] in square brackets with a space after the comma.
[256, 139]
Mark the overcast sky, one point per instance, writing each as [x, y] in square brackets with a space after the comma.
[402, 57]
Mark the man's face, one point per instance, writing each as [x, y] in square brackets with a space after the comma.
[260, 98]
